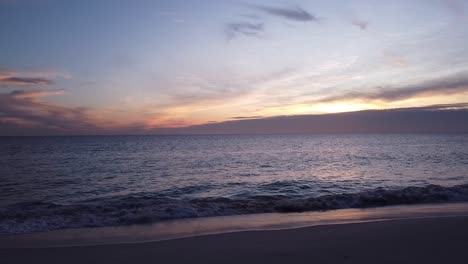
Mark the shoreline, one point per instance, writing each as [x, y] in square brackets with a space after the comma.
[424, 240]
[196, 227]
[35, 217]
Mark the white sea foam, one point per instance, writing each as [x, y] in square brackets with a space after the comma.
[136, 209]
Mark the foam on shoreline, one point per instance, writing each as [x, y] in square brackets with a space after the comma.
[152, 208]
[182, 228]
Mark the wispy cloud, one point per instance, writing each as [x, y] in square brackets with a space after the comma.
[444, 86]
[28, 113]
[254, 24]
[290, 13]
[244, 28]
[395, 58]
[36, 94]
[19, 78]
[19, 81]
[25, 108]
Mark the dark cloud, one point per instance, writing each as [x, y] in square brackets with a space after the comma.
[433, 119]
[24, 81]
[448, 85]
[246, 117]
[17, 78]
[25, 113]
[289, 13]
[256, 25]
[362, 24]
[244, 28]
[440, 107]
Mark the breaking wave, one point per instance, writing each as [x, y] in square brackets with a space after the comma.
[147, 208]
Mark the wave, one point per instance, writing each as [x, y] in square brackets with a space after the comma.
[148, 208]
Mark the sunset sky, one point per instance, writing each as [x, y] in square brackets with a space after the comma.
[114, 66]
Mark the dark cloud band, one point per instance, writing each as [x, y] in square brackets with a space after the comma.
[433, 119]
[244, 28]
[295, 13]
[21, 81]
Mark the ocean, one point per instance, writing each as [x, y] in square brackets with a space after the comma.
[49, 183]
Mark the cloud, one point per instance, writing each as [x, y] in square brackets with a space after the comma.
[246, 117]
[432, 119]
[443, 86]
[26, 113]
[395, 59]
[222, 86]
[244, 28]
[455, 6]
[362, 24]
[36, 94]
[27, 108]
[18, 78]
[256, 25]
[289, 13]
[23, 81]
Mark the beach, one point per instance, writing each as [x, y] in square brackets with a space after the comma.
[418, 240]
[250, 131]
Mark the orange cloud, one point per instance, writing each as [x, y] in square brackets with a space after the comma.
[27, 112]
[36, 94]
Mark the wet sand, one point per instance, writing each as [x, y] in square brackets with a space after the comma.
[422, 240]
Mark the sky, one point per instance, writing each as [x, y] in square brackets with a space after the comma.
[122, 66]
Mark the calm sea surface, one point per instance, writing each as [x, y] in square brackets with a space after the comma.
[58, 182]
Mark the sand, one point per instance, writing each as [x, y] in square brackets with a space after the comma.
[427, 240]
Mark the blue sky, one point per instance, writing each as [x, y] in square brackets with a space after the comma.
[148, 64]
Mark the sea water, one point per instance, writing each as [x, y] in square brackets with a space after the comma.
[62, 182]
